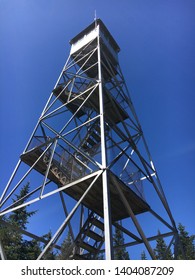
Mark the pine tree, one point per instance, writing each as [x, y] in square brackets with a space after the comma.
[30, 249]
[118, 240]
[20, 217]
[11, 241]
[161, 251]
[187, 244]
[66, 248]
[15, 247]
[143, 255]
[49, 254]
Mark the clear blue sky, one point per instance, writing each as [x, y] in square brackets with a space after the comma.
[157, 39]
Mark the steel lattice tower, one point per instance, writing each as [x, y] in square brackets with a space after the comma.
[88, 147]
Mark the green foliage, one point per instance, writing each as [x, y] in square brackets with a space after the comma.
[187, 248]
[143, 255]
[118, 240]
[20, 217]
[30, 250]
[66, 248]
[162, 252]
[49, 255]
[11, 240]
[14, 244]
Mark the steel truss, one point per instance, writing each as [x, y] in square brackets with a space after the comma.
[88, 148]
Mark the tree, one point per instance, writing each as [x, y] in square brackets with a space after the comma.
[118, 240]
[66, 248]
[162, 252]
[187, 244]
[20, 217]
[30, 249]
[11, 240]
[143, 255]
[49, 254]
[15, 247]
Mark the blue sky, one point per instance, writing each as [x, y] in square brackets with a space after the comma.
[157, 58]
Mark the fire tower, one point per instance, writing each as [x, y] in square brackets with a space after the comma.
[88, 148]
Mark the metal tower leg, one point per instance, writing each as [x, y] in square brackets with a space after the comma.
[2, 252]
[137, 225]
[106, 192]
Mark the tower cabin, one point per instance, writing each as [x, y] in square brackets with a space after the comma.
[84, 52]
[87, 39]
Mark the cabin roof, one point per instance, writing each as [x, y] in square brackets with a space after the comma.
[103, 28]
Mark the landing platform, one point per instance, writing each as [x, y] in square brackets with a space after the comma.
[114, 113]
[94, 199]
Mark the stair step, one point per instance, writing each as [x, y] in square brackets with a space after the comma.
[97, 223]
[88, 247]
[85, 146]
[96, 136]
[91, 141]
[97, 129]
[94, 235]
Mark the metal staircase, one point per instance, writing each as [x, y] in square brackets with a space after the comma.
[90, 239]
[91, 142]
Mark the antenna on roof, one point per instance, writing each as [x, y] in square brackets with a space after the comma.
[95, 16]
